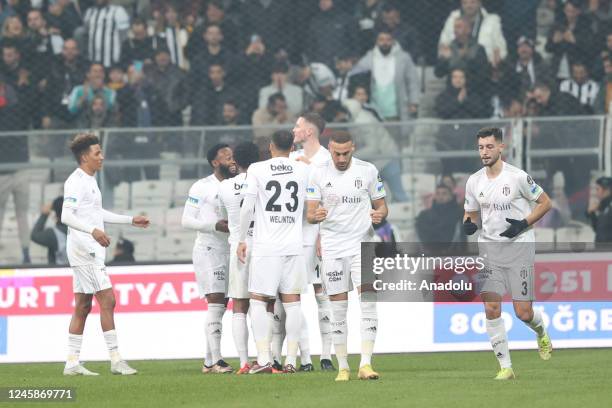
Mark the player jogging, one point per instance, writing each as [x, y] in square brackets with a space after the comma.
[231, 194]
[307, 131]
[502, 194]
[346, 195]
[82, 212]
[275, 189]
[211, 250]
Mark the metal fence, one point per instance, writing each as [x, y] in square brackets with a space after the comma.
[150, 171]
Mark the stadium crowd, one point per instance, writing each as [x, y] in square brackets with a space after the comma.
[141, 63]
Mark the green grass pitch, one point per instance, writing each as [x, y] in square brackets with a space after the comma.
[572, 378]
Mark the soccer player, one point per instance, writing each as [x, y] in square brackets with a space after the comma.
[307, 130]
[346, 196]
[231, 194]
[211, 250]
[501, 196]
[275, 189]
[82, 212]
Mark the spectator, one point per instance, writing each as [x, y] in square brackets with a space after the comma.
[317, 80]
[14, 149]
[135, 99]
[442, 222]
[527, 68]
[124, 252]
[553, 103]
[139, 48]
[255, 66]
[107, 27]
[344, 66]
[458, 101]
[604, 97]
[116, 78]
[64, 16]
[581, 86]
[330, 32]
[13, 33]
[464, 53]
[600, 211]
[404, 33]
[175, 36]
[372, 141]
[394, 78]
[46, 41]
[520, 19]
[268, 19]
[367, 14]
[207, 101]
[215, 14]
[169, 90]
[67, 71]
[82, 96]
[485, 29]
[294, 95]
[570, 40]
[231, 115]
[54, 238]
[23, 82]
[276, 113]
[97, 115]
[213, 52]
[597, 70]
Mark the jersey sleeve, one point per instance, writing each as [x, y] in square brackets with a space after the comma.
[313, 190]
[376, 187]
[195, 199]
[250, 185]
[528, 187]
[122, 19]
[73, 193]
[470, 204]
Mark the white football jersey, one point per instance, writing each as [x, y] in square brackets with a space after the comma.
[203, 202]
[347, 196]
[279, 185]
[509, 195]
[231, 194]
[311, 231]
[82, 196]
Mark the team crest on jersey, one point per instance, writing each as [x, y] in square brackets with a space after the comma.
[506, 190]
[358, 183]
[523, 273]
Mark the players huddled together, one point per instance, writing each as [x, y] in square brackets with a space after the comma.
[267, 229]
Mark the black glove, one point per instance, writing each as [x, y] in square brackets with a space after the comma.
[515, 228]
[469, 227]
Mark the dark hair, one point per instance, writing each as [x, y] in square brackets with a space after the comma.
[281, 67]
[542, 85]
[604, 182]
[390, 6]
[213, 25]
[315, 119]
[81, 144]
[233, 102]
[57, 205]
[214, 151]
[384, 30]
[274, 97]
[217, 3]
[341, 137]
[139, 21]
[245, 154]
[283, 140]
[444, 186]
[490, 131]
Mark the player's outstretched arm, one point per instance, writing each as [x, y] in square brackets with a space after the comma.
[190, 220]
[380, 211]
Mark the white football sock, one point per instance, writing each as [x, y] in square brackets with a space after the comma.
[369, 327]
[214, 329]
[110, 337]
[293, 326]
[340, 332]
[260, 323]
[324, 306]
[304, 340]
[537, 324]
[240, 333]
[499, 341]
[278, 331]
[74, 349]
